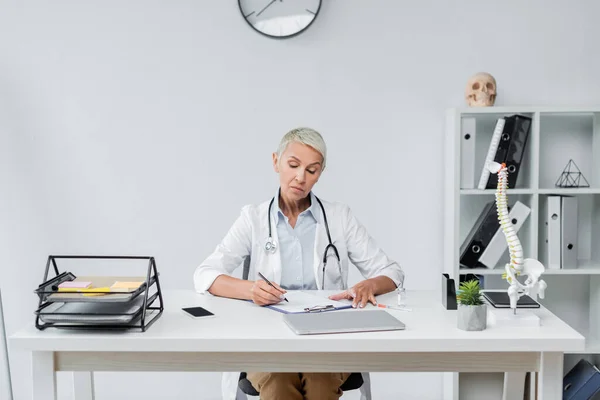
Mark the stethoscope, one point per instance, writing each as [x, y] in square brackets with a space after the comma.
[271, 245]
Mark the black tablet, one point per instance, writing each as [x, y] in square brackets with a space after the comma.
[501, 300]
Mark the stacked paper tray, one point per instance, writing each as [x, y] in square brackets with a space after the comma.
[98, 313]
[67, 300]
[98, 282]
[119, 306]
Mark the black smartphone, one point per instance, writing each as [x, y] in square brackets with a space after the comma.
[197, 312]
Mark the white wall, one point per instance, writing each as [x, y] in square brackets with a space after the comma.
[141, 127]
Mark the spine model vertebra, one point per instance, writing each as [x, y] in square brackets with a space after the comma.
[514, 244]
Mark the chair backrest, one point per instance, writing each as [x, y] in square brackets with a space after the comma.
[246, 270]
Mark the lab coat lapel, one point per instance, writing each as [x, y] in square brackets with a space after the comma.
[274, 259]
[321, 242]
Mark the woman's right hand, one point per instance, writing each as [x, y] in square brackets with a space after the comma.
[263, 294]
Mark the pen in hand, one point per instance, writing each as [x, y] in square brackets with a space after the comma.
[270, 284]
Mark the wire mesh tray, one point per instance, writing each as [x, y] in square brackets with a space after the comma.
[102, 303]
[101, 313]
[51, 294]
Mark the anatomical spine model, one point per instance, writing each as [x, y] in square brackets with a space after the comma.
[481, 90]
[533, 269]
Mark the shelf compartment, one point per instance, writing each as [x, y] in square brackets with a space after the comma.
[564, 137]
[471, 208]
[479, 128]
[588, 233]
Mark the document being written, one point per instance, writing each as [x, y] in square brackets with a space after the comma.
[299, 301]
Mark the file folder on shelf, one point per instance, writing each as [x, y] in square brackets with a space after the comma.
[568, 234]
[467, 151]
[492, 151]
[497, 247]
[103, 308]
[479, 236]
[509, 141]
[519, 127]
[552, 244]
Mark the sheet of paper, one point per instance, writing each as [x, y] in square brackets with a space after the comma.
[120, 286]
[299, 300]
[75, 284]
[126, 285]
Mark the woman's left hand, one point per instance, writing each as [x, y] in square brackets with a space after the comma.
[362, 293]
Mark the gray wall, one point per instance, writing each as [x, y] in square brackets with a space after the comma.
[142, 127]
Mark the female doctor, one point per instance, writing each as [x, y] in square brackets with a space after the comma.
[299, 242]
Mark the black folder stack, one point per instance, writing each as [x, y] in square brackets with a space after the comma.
[510, 149]
[479, 236]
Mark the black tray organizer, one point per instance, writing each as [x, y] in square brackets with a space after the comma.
[119, 310]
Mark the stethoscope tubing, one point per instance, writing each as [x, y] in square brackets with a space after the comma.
[271, 246]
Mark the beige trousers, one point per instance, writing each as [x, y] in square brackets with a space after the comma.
[298, 386]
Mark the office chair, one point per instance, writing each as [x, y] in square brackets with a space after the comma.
[354, 381]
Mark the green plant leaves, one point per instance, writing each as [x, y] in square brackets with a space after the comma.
[469, 293]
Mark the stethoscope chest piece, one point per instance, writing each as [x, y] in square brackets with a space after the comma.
[270, 245]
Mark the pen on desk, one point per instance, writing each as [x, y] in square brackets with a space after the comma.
[270, 284]
[394, 307]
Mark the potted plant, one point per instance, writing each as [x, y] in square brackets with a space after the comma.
[472, 311]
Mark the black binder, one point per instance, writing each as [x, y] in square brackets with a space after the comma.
[582, 382]
[511, 148]
[479, 236]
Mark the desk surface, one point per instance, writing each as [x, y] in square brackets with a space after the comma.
[241, 326]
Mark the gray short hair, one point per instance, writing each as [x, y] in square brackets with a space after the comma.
[306, 136]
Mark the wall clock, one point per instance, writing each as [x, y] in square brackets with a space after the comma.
[280, 19]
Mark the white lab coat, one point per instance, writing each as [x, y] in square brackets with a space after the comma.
[248, 235]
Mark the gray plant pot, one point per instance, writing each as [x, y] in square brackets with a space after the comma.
[472, 318]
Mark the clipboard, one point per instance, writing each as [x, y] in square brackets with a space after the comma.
[301, 302]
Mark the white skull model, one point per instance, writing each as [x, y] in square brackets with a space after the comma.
[481, 90]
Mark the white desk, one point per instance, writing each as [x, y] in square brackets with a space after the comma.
[247, 337]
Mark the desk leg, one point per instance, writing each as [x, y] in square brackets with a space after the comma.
[44, 375]
[533, 379]
[550, 376]
[83, 385]
[514, 386]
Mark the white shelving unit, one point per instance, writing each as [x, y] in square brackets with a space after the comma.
[557, 135]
